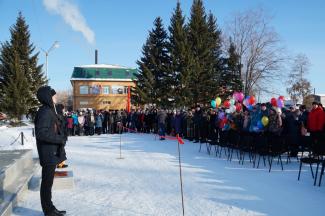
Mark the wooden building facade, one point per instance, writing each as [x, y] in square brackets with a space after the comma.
[102, 86]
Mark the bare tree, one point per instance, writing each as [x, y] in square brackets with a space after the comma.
[259, 48]
[65, 98]
[298, 86]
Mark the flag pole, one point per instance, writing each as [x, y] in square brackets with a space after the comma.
[180, 173]
[120, 131]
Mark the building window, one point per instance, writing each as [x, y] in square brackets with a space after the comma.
[106, 90]
[117, 89]
[95, 89]
[97, 73]
[106, 102]
[83, 102]
[84, 89]
[109, 73]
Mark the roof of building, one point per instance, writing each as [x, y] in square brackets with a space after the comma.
[103, 72]
[321, 95]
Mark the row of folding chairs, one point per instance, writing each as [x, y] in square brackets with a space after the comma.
[265, 147]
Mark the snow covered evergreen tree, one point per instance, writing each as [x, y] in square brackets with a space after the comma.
[153, 82]
[230, 79]
[181, 58]
[18, 62]
[204, 38]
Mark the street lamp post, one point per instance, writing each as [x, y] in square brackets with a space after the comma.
[46, 52]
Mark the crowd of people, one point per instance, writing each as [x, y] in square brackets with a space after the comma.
[204, 124]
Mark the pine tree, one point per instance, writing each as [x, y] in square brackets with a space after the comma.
[20, 49]
[202, 83]
[20, 40]
[230, 79]
[15, 96]
[145, 91]
[181, 59]
[154, 78]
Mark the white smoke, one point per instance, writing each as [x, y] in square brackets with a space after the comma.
[72, 16]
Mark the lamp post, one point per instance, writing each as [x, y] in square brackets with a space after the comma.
[46, 52]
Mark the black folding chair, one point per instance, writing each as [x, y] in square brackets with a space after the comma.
[315, 157]
[276, 147]
[260, 148]
[246, 142]
[222, 142]
[233, 144]
[321, 173]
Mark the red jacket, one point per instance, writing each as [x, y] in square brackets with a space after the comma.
[316, 120]
[70, 122]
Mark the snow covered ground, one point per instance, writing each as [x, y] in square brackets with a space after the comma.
[10, 140]
[146, 182]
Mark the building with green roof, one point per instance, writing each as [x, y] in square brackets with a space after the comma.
[102, 86]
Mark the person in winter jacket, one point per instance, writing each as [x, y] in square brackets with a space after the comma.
[99, 122]
[162, 116]
[105, 121]
[197, 121]
[75, 123]
[246, 121]
[49, 141]
[177, 124]
[70, 124]
[316, 122]
[275, 122]
[303, 117]
[256, 116]
[189, 125]
[81, 123]
[91, 122]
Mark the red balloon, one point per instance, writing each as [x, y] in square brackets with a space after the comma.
[238, 107]
[252, 100]
[226, 104]
[281, 97]
[274, 102]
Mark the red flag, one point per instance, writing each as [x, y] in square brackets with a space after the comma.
[179, 140]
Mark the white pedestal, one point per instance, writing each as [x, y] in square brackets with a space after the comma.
[63, 180]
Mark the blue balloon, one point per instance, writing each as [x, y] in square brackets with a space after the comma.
[250, 107]
[213, 103]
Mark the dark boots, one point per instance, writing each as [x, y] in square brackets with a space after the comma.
[56, 212]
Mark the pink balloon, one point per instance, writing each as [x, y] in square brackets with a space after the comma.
[240, 96]
[235, 95]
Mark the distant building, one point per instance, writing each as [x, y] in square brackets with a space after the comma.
[320, 98]
[102, 86]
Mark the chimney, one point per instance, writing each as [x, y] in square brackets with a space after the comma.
[96, 56]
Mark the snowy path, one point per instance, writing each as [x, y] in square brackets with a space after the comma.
[146, 182]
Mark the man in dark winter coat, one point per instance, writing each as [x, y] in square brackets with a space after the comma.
[161, 119]
[49, 140]
[197, 120]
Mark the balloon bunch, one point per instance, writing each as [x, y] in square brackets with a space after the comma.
[249, 102]
[238, 96]
[278, 102]
[216, 102]
[231, 105]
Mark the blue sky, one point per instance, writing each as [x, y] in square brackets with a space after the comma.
[120, 28]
